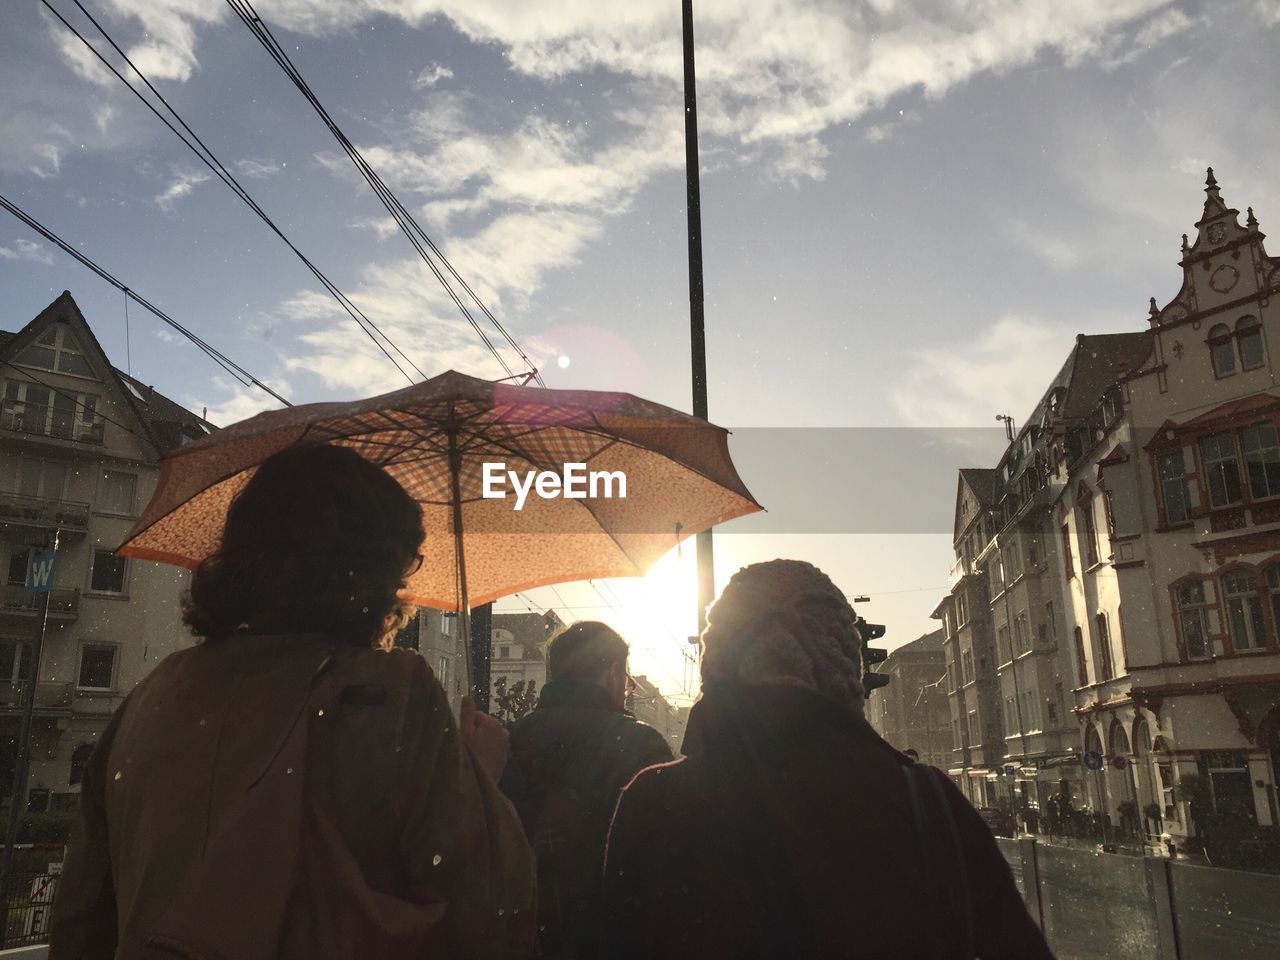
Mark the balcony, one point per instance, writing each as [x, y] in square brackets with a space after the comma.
[64, 604]
[959, 570]
[44, 421]
[51, 696]
[19, 513]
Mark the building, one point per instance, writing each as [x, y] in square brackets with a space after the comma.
[80, 444]
[969, 645]
[649, 706]
[912, 711]
[518, 668]
[1130, 547]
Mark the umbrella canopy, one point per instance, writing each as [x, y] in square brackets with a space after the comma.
[441, 439]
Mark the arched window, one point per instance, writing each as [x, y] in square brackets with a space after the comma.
[1104, 648]
[1249, 337]
[1261, 447]
[1244, 610]
[1193, 618]
[79, 757]
[1088, 529]
[1222, 350]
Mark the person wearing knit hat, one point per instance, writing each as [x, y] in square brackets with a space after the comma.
[790, 828]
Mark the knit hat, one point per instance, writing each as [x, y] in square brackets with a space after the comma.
[784, 621]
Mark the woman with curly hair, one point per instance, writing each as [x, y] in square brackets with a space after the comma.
[292, 786]
[789, 828]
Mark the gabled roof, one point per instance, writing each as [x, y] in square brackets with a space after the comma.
[166, 424]
[983, 481]
[927, 643]
[1097, 363]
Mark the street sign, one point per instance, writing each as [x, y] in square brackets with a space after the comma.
[40, 572]
[1041, 763]
[1092, 760]
[1119, 762]
[1010, 771]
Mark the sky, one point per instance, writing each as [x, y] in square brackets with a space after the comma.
[910, 208]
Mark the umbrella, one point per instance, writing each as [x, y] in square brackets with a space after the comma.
[466, 449]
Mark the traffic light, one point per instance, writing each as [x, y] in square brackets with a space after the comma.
[871, 655]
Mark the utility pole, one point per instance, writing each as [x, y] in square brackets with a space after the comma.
[697, 327]
[22, 760]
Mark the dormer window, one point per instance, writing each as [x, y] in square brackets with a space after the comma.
[55, 349]
[1249, 337]
[1222, 350]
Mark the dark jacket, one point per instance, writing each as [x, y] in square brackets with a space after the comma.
[569, 761]
[786, 831]
[418, 821]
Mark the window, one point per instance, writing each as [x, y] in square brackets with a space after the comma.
[97, 666]
[1010, 719]
[1013, 560]
[1052, 622]
[15, 660]
[975, 731]
[1002, 643]
[1244, 610]
[1104, 648]
[1261, 460]
[1054, 706]
[504, 653]
[1088, 532]
[1031, 710]
[1066, 552]
[1173, 487]
[951, 671]
[1222, 350]
[1193, 618]
[55, 349]
[1081, 668]
[967, 661]
[19, 559]
[108, 575]
[442, 672]
[997, 582]
[962, 608]
[447, 621]
[1249, 338]
[30, 408]
[1273, 593]
[46, 479]
[1021, 633]
[79, 758]
[116, 492]
[1222, 467]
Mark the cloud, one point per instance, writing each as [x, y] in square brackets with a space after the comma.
[239, 402]
[185, 180]
[1268, 12]
[382, 227]
[889, 130]
[431, 75]
[258, 169]
[1049, 246]
[48, 160]
[1005, 369]
[26, 251]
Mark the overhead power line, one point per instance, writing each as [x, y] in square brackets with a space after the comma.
[210, 160]
[241, 375]
[408, 225]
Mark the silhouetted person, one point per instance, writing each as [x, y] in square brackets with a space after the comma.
[911, 755]
[570, 759]
[290, 787]
[790, 829]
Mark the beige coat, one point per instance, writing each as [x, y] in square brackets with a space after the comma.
[385, 766]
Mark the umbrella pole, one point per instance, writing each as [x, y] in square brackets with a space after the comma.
[698, 336]
[460, 561]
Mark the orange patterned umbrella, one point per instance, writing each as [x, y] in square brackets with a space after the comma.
[436, 439]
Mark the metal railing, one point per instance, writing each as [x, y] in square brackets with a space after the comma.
[50, 694]
[18, 509]
[64, 603]
[43, 421]
[26, 900]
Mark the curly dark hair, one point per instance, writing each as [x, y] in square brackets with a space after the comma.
[318, 541]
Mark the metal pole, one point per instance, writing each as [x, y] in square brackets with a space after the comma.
[697, 327]
[18, 793]
[460, 561]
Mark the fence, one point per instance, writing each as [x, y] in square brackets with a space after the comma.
[26, 899]
[1102, 905]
